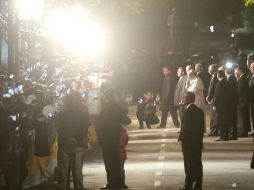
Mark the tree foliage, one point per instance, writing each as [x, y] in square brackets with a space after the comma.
[249, 2]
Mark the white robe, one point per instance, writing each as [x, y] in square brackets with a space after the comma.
[197, 87]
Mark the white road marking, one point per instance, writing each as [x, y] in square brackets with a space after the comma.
[162, 151]
[157, 183]
[158, 173]
[161, 158]
[160, 165]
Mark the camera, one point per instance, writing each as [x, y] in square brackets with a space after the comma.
[6, 95]
[13, 117]
[50, 114]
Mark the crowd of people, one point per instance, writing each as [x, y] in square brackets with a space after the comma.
[44, 129]
[44, 124]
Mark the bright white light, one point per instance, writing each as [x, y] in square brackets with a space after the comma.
[30, 9]
[232, 35]
[229, 65]
[211, 28]
[73, 31]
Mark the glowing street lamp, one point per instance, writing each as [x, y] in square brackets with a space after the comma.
[30, 9]
[71, 30]
[212, 29]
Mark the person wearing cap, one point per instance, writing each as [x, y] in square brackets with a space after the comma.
[197, 87]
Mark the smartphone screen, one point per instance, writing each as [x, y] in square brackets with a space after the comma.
[6, 95]
[11, 91]
[50, 114]
[13, 117]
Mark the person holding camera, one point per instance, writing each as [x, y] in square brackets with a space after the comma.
[146, 109]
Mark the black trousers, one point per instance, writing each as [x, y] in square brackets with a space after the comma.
[252, 161]
[164, 116]
[140, 116]
[233, 121]
[112, 164]
[224, 132]
[252, 113]
[213, 124]
[243, 117]
[181, 110]
[193, 167]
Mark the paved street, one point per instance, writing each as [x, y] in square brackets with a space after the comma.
[155, 162]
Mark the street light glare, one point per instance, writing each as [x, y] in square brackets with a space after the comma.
[72, 31]
[211, 28]
[30, 9]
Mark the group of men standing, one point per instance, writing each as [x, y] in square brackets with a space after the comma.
[229, 94]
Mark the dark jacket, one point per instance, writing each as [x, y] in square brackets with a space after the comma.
[179, 91]
[109, 125]
[167, 94]
[146, 108]
[192, 129]
[251, 88]
[4, 129]
[72, 125]
[211, 89]
[232, 81]
[243, 91]
[222, 102]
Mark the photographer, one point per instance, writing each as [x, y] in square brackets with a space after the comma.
[72, 124]
[4, 138]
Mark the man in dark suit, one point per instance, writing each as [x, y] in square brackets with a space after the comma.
[251, 85]
[210, 95]
[179, 91]
[191, 136]
[243, 108]
[221, 105]
[167, 99]
[232, 81]
[250, 63]
[109, 127]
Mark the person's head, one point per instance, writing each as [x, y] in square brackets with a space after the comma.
[188, 98]
[188, 68]
[148, 96]
[166, 70]
[191, 74]
[180, 72]
[109, 96]
[199, 68]
[239, 71]
[252, 67]
[250, 60]
[212, 69]
[220, 74]
[73, 100]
